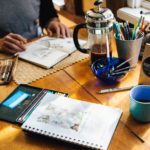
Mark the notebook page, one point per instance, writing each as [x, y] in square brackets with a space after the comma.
[65, 45]
[42, 55]
[48, 51]
[72, 120]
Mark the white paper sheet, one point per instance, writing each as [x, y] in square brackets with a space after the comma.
[76, 121]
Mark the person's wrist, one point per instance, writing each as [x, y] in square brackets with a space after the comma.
[51, 20]
[54, 19]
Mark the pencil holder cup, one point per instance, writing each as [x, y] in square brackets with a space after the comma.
[140, 103]
[129, 50]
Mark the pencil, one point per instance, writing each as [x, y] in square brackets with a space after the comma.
[115, 90]
[142, 24]
[5, 70]
[8, 73]
[141, 30]
[121, 32]
[136, 30]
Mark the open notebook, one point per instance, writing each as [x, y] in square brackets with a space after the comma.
[48, 51]
[87, 124]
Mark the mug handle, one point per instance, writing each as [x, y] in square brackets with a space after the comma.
[75, 37]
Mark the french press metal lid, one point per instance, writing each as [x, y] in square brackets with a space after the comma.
[99, 18]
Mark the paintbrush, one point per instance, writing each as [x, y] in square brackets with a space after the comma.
[123, 69]
[114, 69]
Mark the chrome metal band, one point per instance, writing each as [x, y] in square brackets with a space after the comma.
[99, 30]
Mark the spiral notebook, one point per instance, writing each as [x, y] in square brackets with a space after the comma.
[87, 124]
[48, 51]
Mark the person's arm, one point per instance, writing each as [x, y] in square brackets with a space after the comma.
[49, 20]
[12, 43]
[47, 12]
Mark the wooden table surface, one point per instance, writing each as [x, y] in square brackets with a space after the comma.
[80, 83]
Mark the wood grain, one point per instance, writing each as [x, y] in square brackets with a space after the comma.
[79, 82]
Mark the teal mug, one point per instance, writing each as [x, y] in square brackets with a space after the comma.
[140, 103]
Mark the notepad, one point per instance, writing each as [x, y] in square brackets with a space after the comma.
[19, 104]
[48, 51]
[87, 124]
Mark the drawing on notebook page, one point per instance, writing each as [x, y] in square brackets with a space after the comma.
[56, 43]
[41, 52]
[64, 117]
[87, 124]
[48, 51]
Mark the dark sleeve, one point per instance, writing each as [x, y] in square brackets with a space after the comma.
[47, 12]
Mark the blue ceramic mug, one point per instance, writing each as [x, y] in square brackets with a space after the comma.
[140, 103]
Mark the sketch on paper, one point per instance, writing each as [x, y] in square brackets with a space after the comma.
[63, 117]
[43, 48]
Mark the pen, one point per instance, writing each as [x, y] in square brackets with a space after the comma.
[129, 31]
[123, 32]
[135, 33]
[115, 90]
[126, 26]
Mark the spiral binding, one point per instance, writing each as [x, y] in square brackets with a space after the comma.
[63, 138]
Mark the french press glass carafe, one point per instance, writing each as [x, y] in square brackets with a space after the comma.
[99, 23]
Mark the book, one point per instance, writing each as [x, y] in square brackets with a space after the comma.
[48, 51]
[79, 122]
[18, 106]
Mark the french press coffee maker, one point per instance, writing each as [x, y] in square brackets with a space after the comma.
[99, 23]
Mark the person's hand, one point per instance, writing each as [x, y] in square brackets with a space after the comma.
[55, 26]
[13, 43]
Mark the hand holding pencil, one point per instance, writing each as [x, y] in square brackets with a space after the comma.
[13, 43]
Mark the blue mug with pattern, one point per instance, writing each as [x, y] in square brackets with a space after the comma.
[140, 103]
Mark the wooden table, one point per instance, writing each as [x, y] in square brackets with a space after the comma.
[80, 83]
